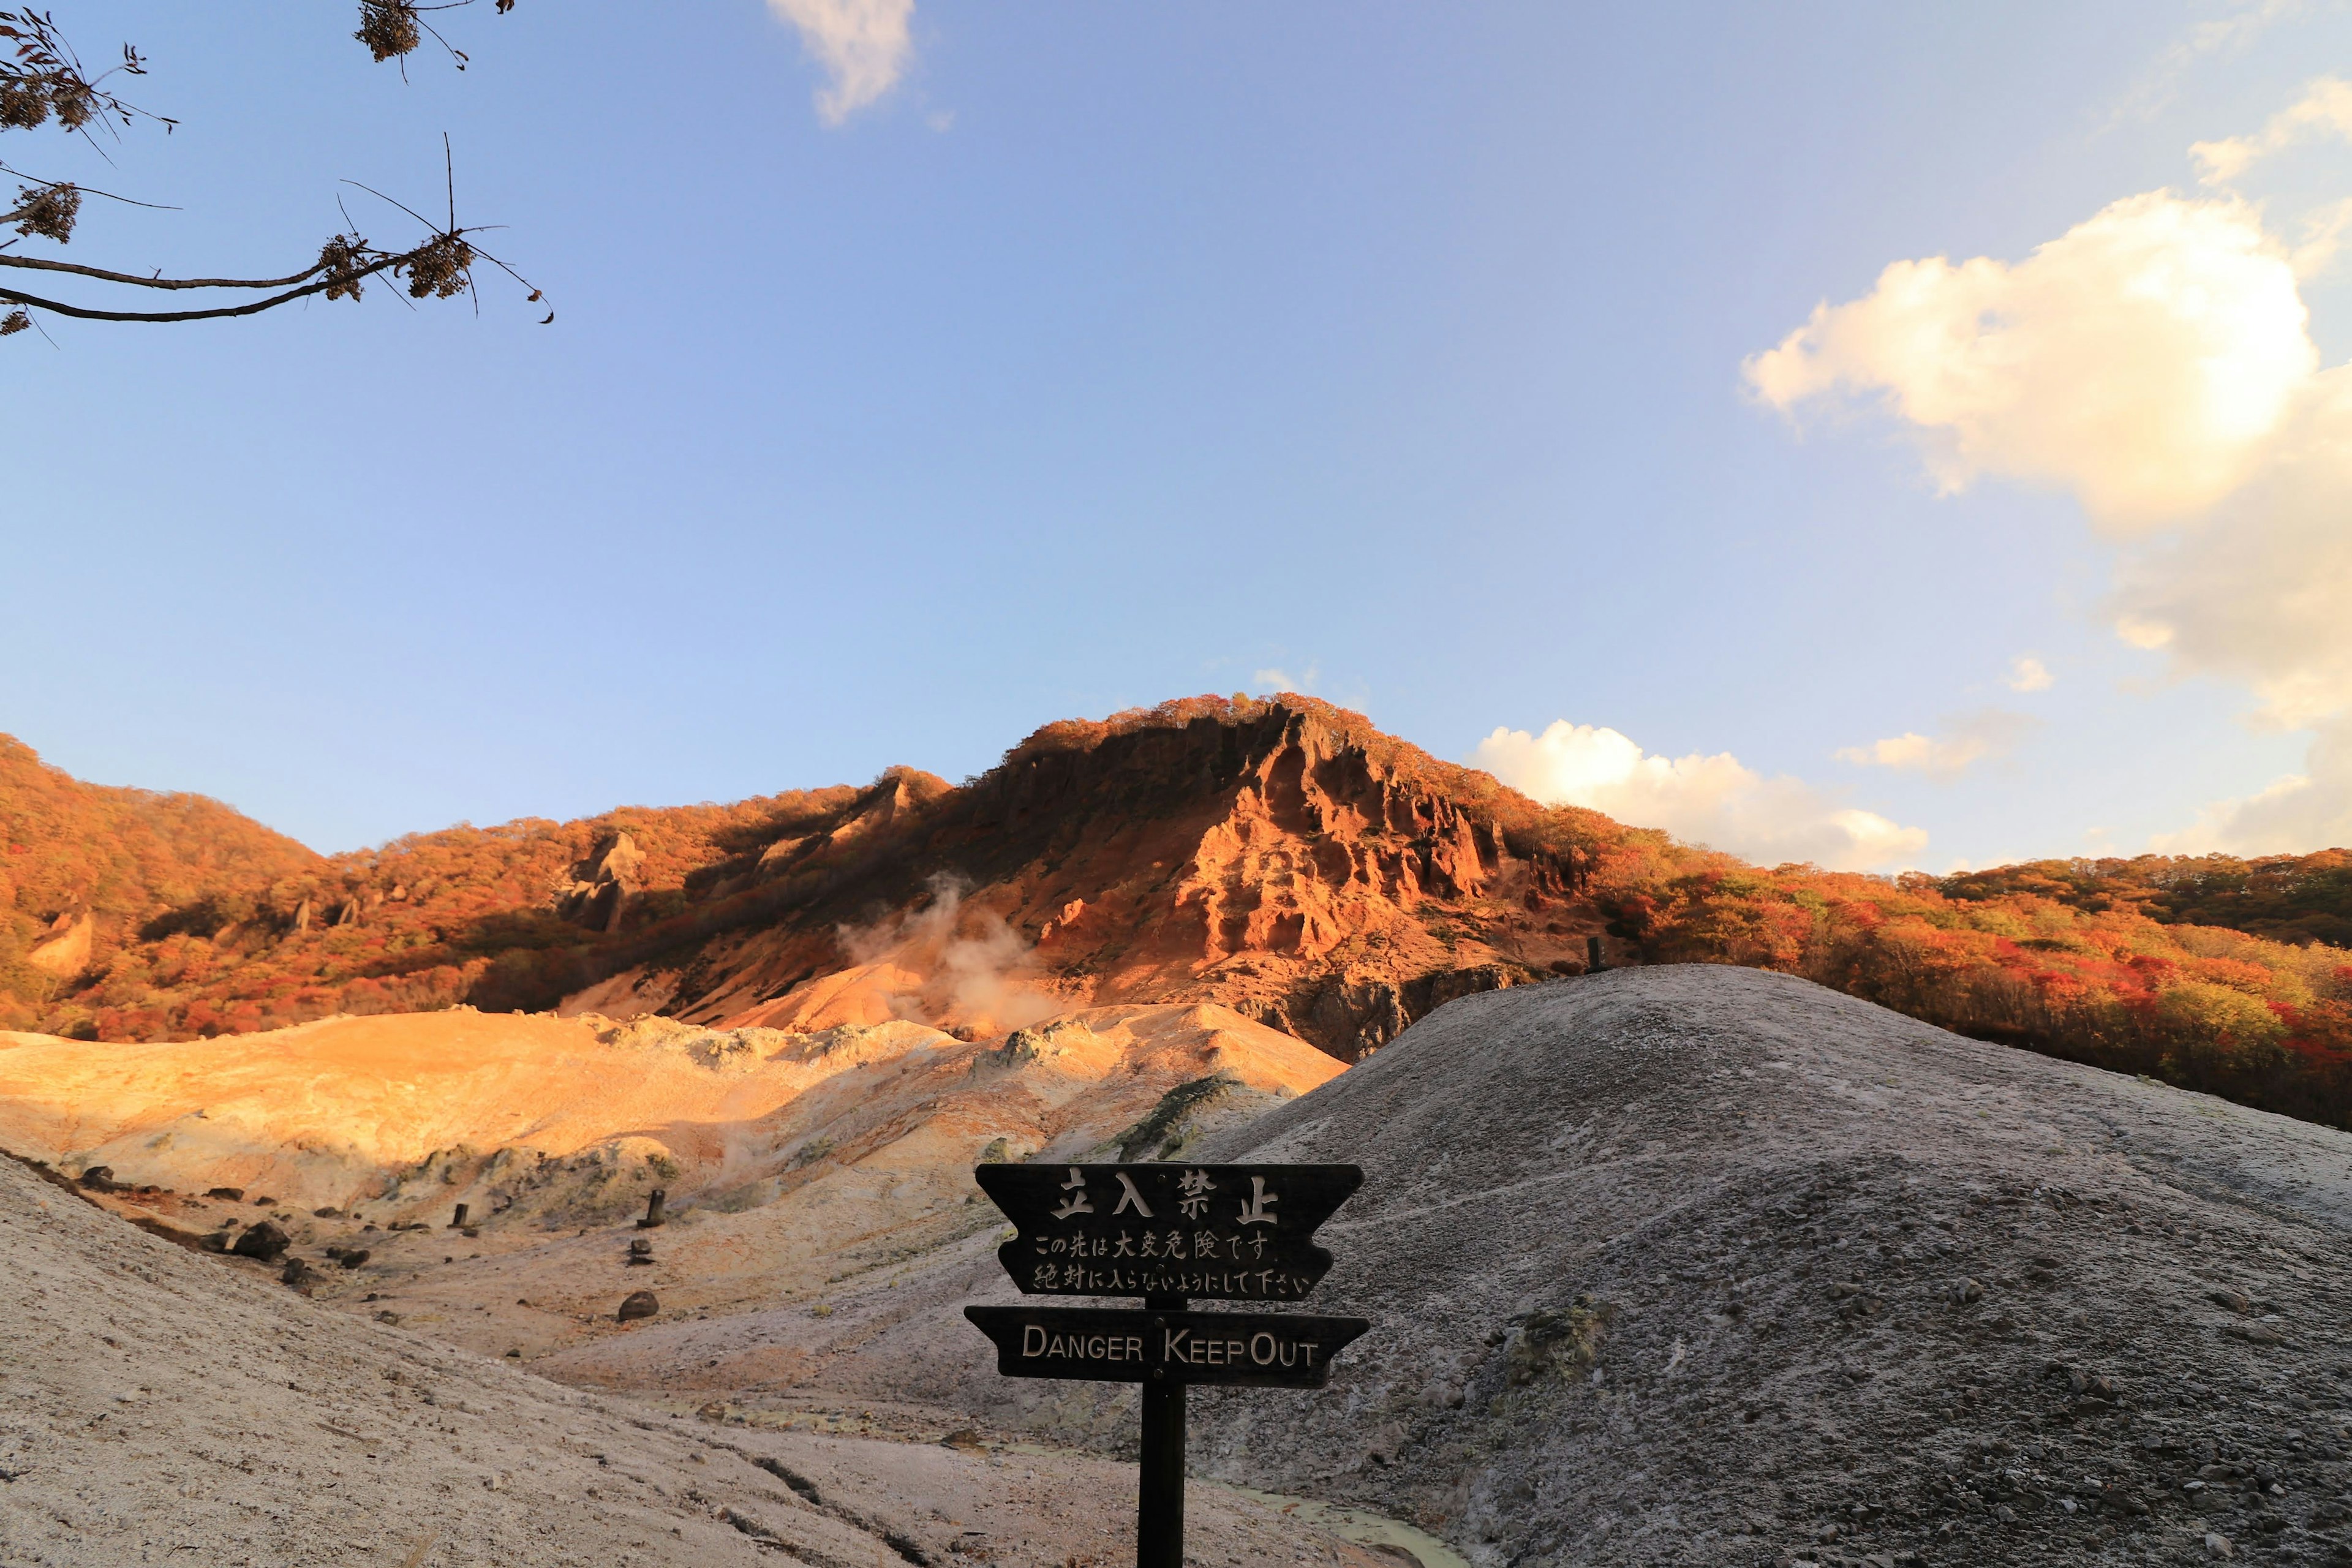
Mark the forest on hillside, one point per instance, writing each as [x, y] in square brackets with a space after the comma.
[2285, 898]
[204, 922]
[2226, 975]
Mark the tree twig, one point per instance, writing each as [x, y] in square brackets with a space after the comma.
[44, 264]
[251, 308]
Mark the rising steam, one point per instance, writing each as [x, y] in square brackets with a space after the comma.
[976, 970]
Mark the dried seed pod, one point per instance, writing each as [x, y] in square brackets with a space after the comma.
[388, 27]
[439, 267]
[48, 211]
[23, 104]
[341, 258]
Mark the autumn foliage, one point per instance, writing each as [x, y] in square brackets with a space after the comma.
[207, 922]
[2079, 974]
[2218, 975]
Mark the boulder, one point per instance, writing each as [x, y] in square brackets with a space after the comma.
[66, 950]
[264, 1242]
[639, 1304]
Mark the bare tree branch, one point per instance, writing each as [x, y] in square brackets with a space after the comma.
[251, 308]
[41, 80]
[45, 265]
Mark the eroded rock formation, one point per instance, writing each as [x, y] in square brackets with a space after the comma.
[1281, 858]
[597, 895]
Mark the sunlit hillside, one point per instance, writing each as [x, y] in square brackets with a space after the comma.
[1280, 857]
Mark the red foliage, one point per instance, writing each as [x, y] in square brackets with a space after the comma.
[208, 923]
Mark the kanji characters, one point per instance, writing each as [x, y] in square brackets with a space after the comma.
[1076, 1202]
[1129, 1198]
[1195, 1186]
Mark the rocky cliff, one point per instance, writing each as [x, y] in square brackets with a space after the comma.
[1281, 858]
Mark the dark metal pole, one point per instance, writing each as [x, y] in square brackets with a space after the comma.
[1160, 1494]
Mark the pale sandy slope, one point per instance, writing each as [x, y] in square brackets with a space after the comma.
[795, 1163]
[167, 1407]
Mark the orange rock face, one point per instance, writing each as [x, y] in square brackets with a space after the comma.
[1279, 857]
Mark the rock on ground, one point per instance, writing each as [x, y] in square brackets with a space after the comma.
[161, 1406]
[1703, 1264]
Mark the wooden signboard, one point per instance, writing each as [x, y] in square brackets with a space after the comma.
[1170, 1233]
[1220, 1233]
[1125, 1344]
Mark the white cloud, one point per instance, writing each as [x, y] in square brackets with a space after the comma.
[2142, 360]
[1701, 799]
[2245, 22]
[1273, 680]
[2303, 811]
[2156, 361]
[2325, 109]
[863, 46]
[1973, 738]
[2027, 673]
[2261, 594]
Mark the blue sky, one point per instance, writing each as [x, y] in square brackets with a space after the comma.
[906, 395]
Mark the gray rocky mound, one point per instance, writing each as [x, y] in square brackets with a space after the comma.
[1697, 1265]
[1701, 1265]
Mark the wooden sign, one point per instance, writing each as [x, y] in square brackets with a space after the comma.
[1167, 1233]
[1125, 1344]
[1222, 1233]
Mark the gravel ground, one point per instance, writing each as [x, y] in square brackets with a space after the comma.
[162, 1407]
[1697, 1266]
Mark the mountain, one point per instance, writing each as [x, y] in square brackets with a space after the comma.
[1282, 859]
[86, 870]
[1278, 857]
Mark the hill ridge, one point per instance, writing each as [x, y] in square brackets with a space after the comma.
[1280, 855]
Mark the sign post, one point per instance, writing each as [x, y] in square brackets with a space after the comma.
[1170, 1234]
